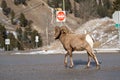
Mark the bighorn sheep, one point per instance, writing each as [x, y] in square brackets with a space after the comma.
[74, 42]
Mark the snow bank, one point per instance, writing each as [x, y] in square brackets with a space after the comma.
[43, 52]
[102, 50]
[103, 31]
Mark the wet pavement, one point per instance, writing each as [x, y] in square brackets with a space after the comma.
[51, 67]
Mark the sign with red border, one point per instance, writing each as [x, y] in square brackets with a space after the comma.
[60, 16]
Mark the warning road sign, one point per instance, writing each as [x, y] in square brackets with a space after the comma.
[60, 16]
[116, 18]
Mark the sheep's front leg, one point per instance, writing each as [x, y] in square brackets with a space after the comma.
[65, 60]
[71, 60]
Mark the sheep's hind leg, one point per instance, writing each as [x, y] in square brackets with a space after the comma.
[95, 58]
[97, 63]
[90, 53]
[88, 64]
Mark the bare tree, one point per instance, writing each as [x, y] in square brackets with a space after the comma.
[87, 9]
[97, 1]
[100, 2]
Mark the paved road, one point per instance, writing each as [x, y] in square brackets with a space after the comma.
[50, 67]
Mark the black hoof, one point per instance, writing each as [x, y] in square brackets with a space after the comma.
[70, 67]
[66, 66]
[98, 67]
[87, 67]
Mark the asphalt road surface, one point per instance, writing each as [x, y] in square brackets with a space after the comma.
[51, 67]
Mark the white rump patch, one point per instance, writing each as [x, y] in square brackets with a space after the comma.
[89, 40]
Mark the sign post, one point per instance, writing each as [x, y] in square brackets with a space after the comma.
[116, 18]
[64, 5]
[36, 40]
[7, 42]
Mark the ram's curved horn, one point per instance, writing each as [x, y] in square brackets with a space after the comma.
[57, 32]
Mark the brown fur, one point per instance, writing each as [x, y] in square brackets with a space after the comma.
[74, 42]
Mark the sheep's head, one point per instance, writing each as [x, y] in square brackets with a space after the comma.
[61, 30]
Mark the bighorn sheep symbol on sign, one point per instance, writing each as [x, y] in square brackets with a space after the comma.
[60, 16]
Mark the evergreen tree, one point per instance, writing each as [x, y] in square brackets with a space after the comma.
[102, 11]
[68, 6]
[107, 4]
[19, 34]
[55, 3]
[27, 34]
[3, 4]
[2, 31]
[2, 41]
[35, 33]
[2, 36]
[13, 41]
[23, 20]
[76, 14]
[59, 4]
[19, 38]
[12, 17]
[23, 2]
[116, 5]
[27, 38]
[17, 2]
[6, 10]
[87, 9]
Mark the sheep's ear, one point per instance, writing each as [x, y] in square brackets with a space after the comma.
[63, 31]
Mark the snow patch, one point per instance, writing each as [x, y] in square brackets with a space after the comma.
[43, 52]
